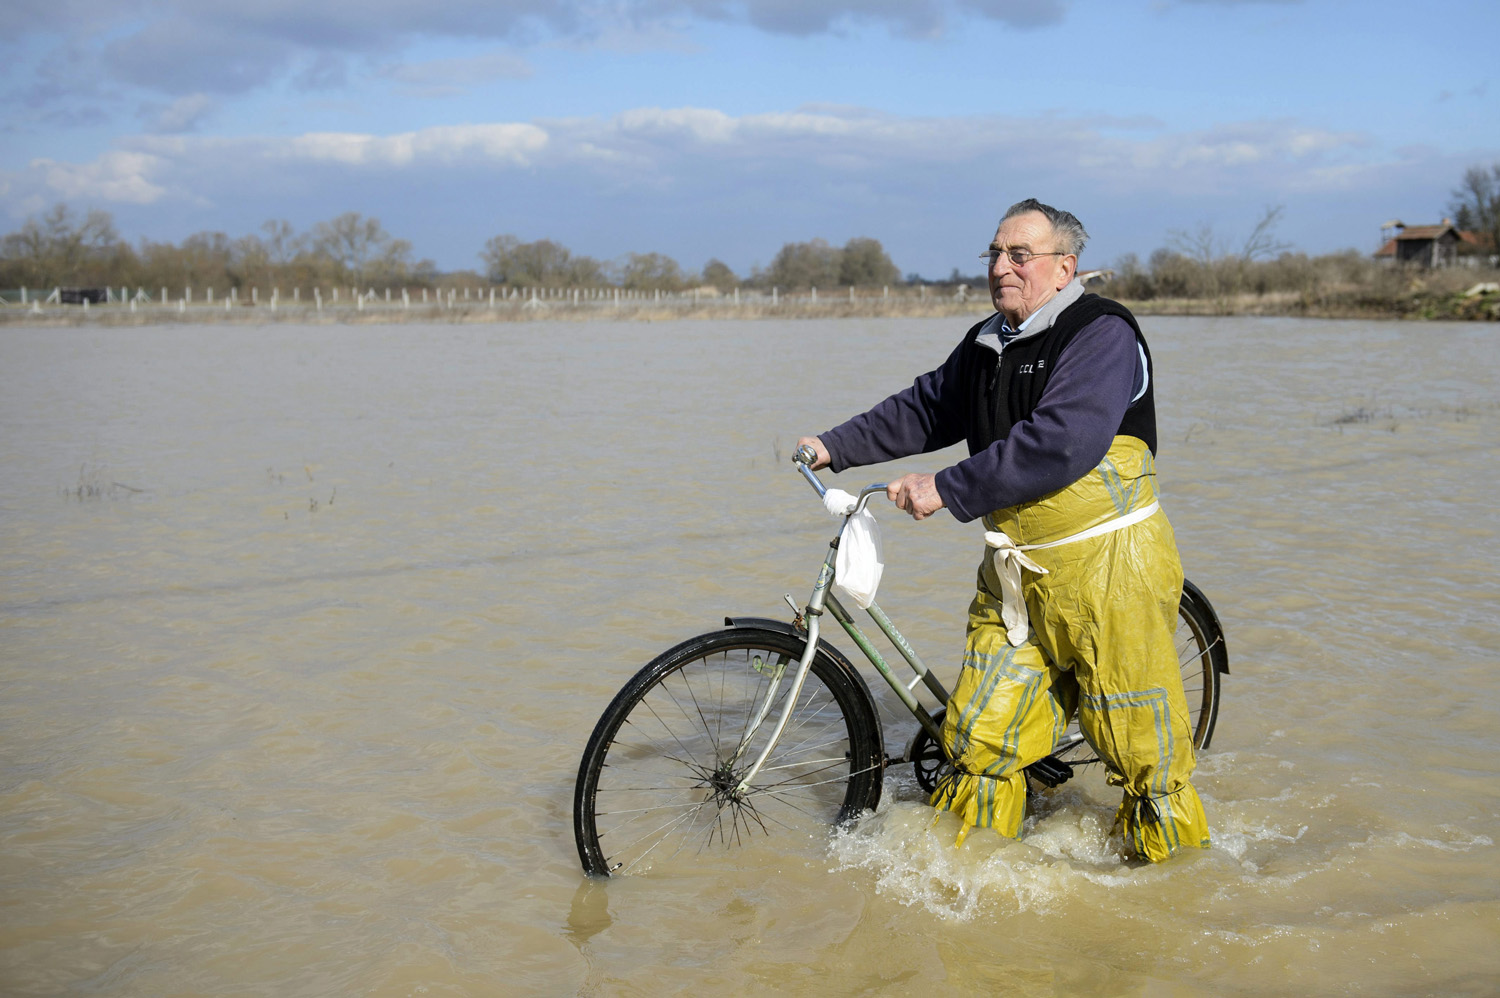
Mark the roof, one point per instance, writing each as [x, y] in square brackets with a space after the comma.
[1471, 242]
[1424, 231]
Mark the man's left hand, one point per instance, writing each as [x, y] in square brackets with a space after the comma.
[916, 494]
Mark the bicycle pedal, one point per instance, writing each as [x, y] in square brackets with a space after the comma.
[1050, 771]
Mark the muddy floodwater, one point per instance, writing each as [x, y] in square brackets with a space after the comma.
[303, 629]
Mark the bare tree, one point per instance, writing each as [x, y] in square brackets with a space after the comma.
[717, 274]
[651, 272]
[542, 263]
[801, 265]
[282, 242]
[58, 247]
[1476, 204]
[353, 241]
[1262, 241]
[1200, 246]
[865, 262]
[1204, 247]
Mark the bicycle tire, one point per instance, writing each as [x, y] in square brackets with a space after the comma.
[658, 775]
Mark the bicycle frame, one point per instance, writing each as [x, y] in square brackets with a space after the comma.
[822, 600]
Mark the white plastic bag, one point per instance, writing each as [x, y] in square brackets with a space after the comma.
[860, 561]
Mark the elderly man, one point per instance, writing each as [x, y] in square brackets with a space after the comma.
[1077, 602]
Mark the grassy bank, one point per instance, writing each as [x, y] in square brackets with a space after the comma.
[1350, 304]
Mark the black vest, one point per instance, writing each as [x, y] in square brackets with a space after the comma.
[1003, 390]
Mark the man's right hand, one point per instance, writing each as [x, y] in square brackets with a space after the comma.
[823, 459]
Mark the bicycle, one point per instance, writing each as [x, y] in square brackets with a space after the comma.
[742, 731]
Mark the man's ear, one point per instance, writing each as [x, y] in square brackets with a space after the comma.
[1069, 268]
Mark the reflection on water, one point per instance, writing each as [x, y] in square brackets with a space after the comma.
[303, 631]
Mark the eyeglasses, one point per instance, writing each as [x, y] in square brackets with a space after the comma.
[1018, 257]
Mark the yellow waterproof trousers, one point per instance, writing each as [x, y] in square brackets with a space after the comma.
[1101, 644]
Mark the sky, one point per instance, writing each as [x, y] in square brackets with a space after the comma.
[722, 129]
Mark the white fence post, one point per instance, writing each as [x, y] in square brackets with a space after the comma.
[773, 294]
[23, 296]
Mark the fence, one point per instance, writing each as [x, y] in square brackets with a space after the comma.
[468, 299]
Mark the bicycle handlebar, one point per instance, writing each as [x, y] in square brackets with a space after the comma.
[803, 458]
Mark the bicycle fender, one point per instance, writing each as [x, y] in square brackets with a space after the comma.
[825, 649]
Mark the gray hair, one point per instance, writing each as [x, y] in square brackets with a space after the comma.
[1069, 231]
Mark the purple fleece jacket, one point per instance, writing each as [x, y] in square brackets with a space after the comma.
[1096, 377]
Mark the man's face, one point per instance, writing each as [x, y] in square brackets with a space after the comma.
[1018, 291]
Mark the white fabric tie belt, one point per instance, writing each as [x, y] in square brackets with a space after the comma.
[1010, 558]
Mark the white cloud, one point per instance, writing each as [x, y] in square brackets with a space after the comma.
[663, 146]
[116, 176]
[693, 123]
[513, 144]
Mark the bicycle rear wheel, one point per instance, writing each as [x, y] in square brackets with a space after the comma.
[659, 776]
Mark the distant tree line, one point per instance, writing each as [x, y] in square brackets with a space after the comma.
[60, 248]
[861, 262]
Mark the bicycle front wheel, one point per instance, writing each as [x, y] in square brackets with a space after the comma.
[660, 776]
